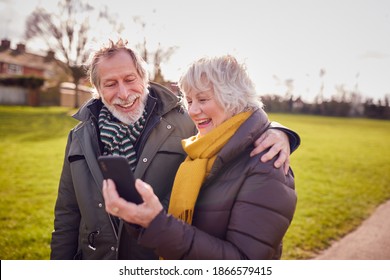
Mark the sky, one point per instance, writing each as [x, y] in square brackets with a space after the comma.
[278, 40]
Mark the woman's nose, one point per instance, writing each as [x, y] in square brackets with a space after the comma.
[194, 109]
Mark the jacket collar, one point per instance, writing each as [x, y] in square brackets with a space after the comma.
[166, 99]
[92, 107]
[242, 141]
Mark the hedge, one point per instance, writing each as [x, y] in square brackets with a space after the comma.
[22, 81]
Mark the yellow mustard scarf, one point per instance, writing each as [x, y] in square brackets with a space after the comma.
[202, 152]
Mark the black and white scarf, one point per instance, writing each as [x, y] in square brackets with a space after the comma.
[119, 138]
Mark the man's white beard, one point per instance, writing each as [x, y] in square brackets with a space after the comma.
[133, 116]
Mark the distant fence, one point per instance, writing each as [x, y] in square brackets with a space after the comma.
[13, 95]
[68, 94]
[17, 95]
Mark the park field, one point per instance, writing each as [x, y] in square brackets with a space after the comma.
[342, 171]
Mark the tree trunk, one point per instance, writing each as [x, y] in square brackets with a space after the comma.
[76, 95]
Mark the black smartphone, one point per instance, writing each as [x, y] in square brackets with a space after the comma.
[118, 169]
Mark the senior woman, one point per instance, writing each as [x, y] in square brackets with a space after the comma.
[224, 203]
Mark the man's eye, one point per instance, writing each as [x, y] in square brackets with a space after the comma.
[130, 78]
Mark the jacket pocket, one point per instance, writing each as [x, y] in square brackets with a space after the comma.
[73, 158]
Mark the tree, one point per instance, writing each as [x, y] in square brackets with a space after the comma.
[321, 92]
[160, 56]
[68, 33]
[153, 57]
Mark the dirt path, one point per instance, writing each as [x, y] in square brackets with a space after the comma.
[370, 241]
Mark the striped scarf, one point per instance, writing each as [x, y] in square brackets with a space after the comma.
[119, 138]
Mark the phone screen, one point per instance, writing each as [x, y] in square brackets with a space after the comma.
[118, 169]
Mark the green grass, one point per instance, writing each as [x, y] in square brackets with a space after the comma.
[342, 174]
[32, 142]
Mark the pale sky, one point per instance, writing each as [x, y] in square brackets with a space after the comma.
[277, 39]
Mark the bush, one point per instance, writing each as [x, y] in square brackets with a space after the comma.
[31, 82]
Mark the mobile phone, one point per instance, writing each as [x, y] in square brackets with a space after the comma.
[118, 169]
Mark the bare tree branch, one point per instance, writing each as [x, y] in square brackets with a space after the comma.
[67, 32]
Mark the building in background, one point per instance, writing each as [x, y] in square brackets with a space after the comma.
[18, 62]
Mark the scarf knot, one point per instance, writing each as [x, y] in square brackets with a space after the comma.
[119, 138]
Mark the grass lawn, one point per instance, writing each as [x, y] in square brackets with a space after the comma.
[32, 143]
[342, 174]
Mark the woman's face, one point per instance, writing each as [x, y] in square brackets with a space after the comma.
[205, 111]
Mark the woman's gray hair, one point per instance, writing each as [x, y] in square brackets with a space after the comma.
[109, 51]
[229, 80]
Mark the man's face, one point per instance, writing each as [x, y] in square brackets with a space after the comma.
[121, 87]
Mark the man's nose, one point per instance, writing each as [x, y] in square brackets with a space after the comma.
[122, 91]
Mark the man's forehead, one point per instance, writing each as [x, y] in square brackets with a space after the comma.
[115, 65]
[118, 55]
